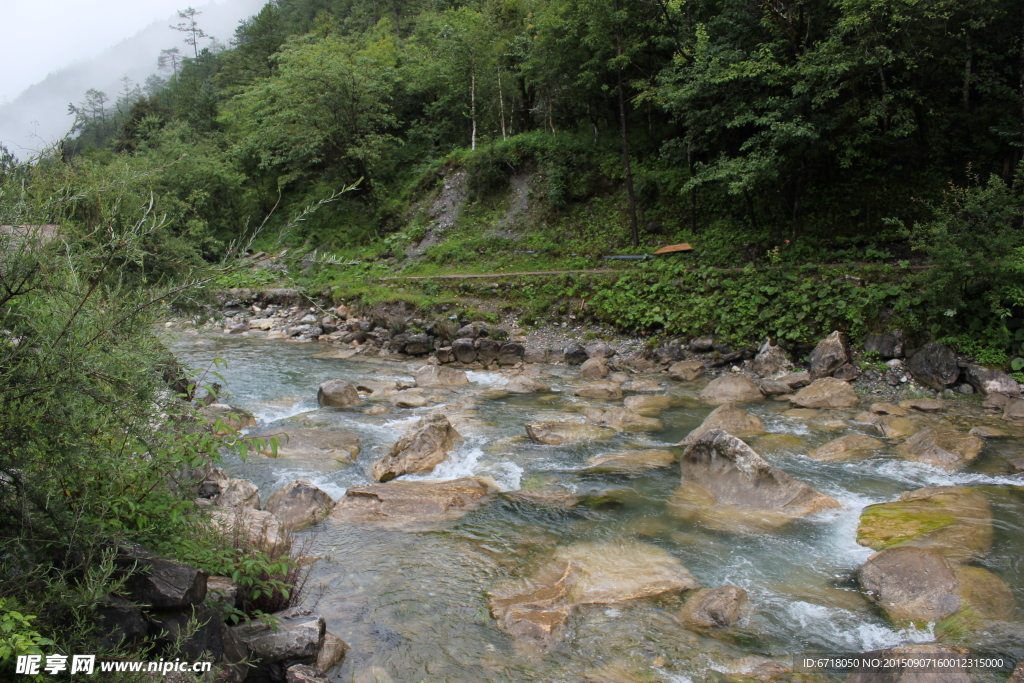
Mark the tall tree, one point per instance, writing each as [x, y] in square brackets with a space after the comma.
[190, 27]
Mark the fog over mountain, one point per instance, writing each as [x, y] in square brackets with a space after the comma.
[38, 117]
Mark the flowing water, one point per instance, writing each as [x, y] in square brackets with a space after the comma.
[413, 605]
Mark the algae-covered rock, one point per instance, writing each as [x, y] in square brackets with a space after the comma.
[953, 521]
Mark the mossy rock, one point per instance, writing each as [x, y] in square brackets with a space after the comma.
[952, 521]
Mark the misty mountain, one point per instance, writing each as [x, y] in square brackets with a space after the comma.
[39, 116]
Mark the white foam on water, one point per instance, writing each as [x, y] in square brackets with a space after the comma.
[266, 414]
[487, 379]
[462, 463]
[783, 425]
[846, 631]
[508, 475]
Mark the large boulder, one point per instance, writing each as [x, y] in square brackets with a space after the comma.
[463, 350]
[300, 504]
[511, 353]
[575, 354]
[915, 585]
[829, 355]
[319, 447]
[726, 485]
[602, 389]
[565, 433]
[535, 611]
[771, 360]
[846, 447]
[714, 607]
[942, 447]
[331, 653]
[238, 493]
[887, 345]
[431, 376]
[294, 637]
[988, 381]
[337, 393]
[727, 418]
[158, 582]
[487, 350]
[423, 446]
[827, 392]
[629, 462]
[952, 521]
[405, 502]
[730, 388]
[521, 384]
[935, 366]
[686, 370]
[594, 368]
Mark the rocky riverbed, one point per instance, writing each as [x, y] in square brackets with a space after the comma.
[608, 512]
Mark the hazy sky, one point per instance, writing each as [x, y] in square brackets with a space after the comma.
[41, 36]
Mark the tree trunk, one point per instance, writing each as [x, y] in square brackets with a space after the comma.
[472, 105]
[967, 75]
[501, 105]
[634, 230]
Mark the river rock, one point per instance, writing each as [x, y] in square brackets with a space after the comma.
[934, 366]
[158, 582]
[230, 418]
[594, 368]
[625, 420]
[952, 521]
[686, 370]
[521, 384]
[845, 447]
[332, 652]
[337, 393]
[1018, 675]
[602, 389]
[730, 389]
[423, 446]
[300, 504]
[487, 350]
[575, 354]
[796, 380]
[432, 376]
[377, 389]
[651, 406]
[238, 493]
[726, 485]
[619, 378]
[892, 427]
[292, 637]
[534, 611]
[925, 405]
[988, 381]
[550, 498]
[565, 433]
[913, 674]
[827, 392]
[629, 462]
[510, 353]
[644, 386]
[463, 350]
[912, 584]
[409, 398]
[413, 501]
[773, 387]
[260, 528]
[887, 345]
[727, 418]
[714, 607]
[1016, 465]
[831, 352]
[320, 446]
[942, 447]
[771, 360]
[1014, 409]
[888, 409]
[847, 372]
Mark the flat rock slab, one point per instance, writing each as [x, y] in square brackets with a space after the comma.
[847, 447]
[625, 420]
[432, 376]
[727, 418]
[535, 610]
[521, 384]
[413, 501]
[728, 486]
[731, 389]
[925, 405]
[919, 586]
[321, 446]
[942, 447]
[551, 498]
[650, 406]
[565, 433]
[827, 392]
[603, 389]
[953, 521]
[629, 462]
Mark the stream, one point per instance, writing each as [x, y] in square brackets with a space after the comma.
[413, 605]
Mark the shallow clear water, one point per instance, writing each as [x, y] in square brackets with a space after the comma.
[415, 604]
